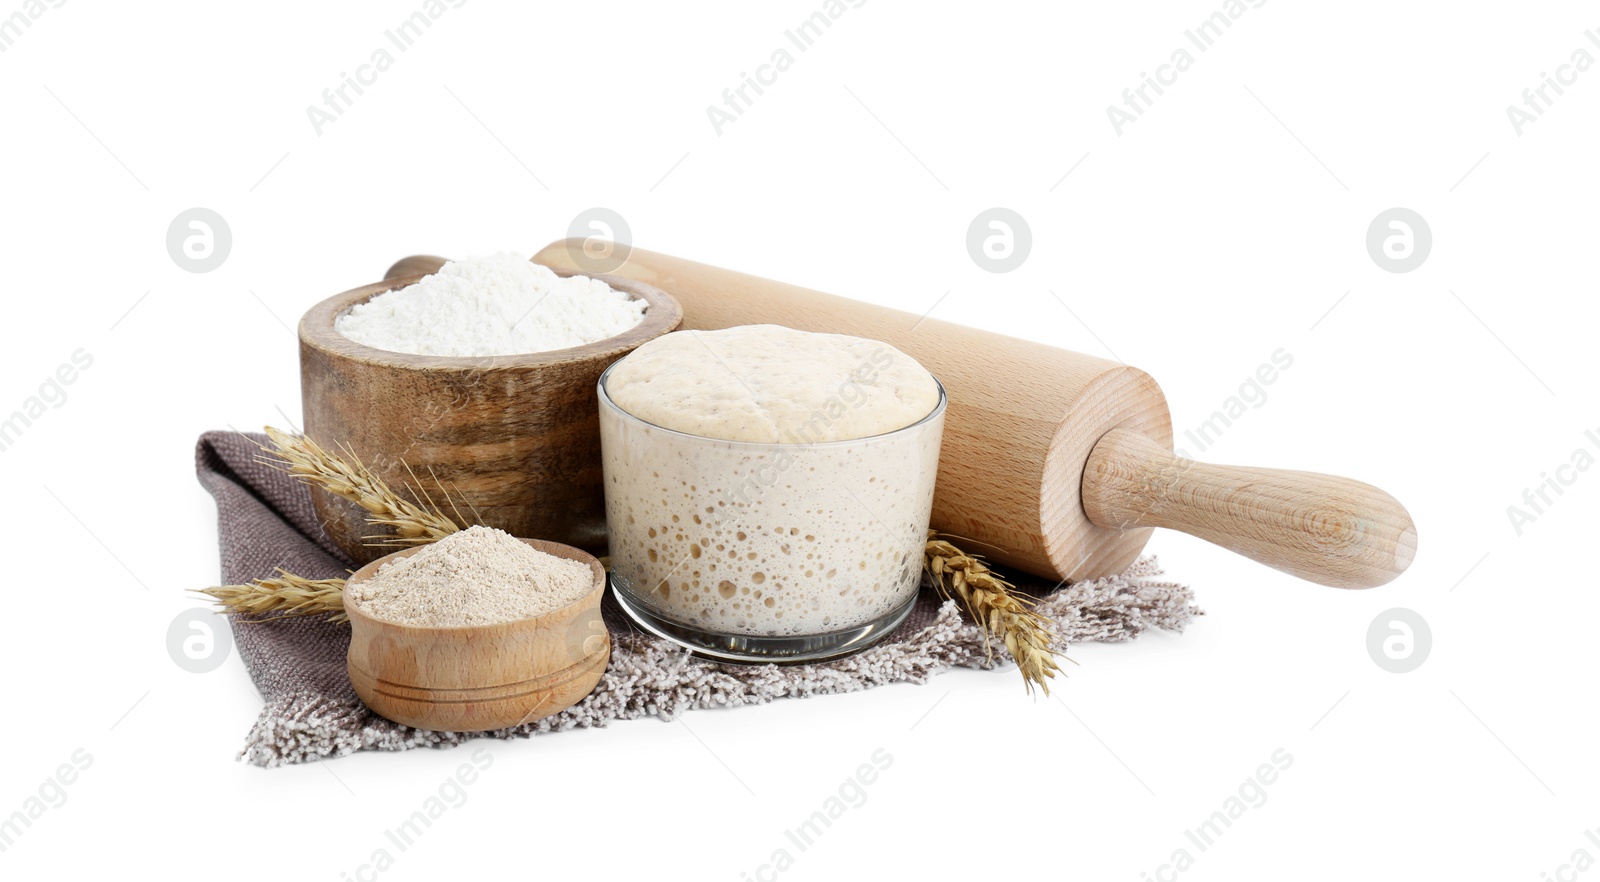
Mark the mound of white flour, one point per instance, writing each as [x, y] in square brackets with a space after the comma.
[499, 305]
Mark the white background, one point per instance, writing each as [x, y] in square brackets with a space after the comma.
[1223, 225]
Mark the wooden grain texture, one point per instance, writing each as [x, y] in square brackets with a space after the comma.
[1327, 529]
[480, 677]
[514, 440]
[1022, 416]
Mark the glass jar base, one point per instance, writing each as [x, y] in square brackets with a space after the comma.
[752, 649]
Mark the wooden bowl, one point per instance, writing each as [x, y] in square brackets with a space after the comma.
[514, 441]
[474, 678]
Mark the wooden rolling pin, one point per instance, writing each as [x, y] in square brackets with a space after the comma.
[1059, 463]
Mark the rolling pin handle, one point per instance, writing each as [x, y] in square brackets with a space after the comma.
[1330, 530]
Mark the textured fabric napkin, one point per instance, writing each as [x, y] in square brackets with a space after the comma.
[265, 521]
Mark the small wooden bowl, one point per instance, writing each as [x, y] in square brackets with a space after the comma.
[513, 441]
[474, 678]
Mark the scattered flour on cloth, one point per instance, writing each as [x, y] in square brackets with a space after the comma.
[498, 305]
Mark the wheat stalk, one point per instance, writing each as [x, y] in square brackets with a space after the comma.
[343, 475]
[999, 612]
[286, 595]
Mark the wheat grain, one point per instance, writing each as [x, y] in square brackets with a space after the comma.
[999, 612]
[343, 475]
[286, 595]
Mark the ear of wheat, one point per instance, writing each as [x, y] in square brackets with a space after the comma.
[287, 595]
[342, 474]
[998, 610]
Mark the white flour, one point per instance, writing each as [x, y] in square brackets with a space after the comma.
[499, 305]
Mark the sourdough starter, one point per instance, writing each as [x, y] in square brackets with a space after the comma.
[769, 482]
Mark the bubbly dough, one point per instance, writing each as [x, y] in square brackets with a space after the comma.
[776, 540]
[768, 383]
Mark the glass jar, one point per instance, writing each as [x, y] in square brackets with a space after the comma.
[767, 552]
